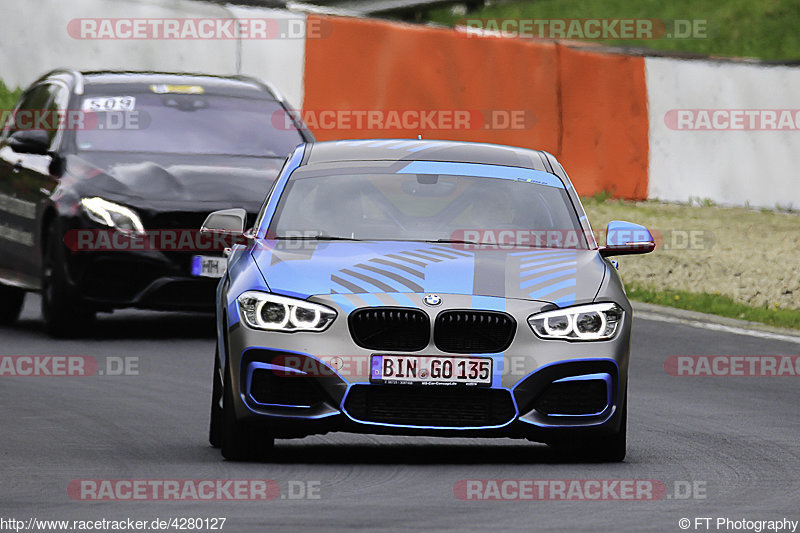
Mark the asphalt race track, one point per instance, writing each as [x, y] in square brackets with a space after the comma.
[734, 442]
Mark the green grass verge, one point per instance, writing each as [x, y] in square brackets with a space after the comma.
[742, 28]
[8, 98]
[715, 304]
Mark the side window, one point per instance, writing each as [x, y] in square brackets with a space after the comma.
[58, 107]
[36, 110]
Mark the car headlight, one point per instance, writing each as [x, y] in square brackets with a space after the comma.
[111, 214]
[592, 322]
[261, 310]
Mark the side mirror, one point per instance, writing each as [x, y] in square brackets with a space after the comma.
[30, 142]
[57, 164]
[626, 238]
[229, 220]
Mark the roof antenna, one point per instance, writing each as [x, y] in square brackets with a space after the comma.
[419, 136]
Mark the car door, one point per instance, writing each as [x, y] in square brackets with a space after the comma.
[24, 180]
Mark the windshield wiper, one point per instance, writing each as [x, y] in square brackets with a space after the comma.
[456, 241]
[476, 243]
[314, 238]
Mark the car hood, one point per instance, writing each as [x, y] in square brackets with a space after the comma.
[306, 268]
[228, 180]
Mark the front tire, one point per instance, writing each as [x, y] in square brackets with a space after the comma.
[11, 300]
[215, 425]
[242, 442]
[63, 313]
[611, 449]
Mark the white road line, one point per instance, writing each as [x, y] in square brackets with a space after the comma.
[718, 327]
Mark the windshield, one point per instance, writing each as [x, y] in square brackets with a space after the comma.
[186, 124]
[364, 205]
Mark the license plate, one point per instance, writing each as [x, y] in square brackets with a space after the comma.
[208, 266]
[431, 370]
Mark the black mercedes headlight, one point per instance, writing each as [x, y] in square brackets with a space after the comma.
[593, 322]
[262, 310]
[112, 215]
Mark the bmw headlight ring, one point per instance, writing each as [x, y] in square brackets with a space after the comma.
[270, 312]
[593, 322]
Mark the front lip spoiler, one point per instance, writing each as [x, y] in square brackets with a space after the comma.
[288, 428]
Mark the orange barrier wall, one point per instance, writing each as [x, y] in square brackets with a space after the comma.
[367, 64]
[605, 122]
[575, 103]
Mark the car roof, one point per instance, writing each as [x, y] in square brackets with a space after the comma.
[169, 78]
[428, 150]
[110, 80]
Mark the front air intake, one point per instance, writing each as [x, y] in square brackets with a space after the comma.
[583, 397]
[432, 406]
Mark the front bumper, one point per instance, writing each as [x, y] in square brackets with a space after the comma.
[142, 279]
[542, 390]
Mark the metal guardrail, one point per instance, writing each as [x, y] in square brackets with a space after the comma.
[370, 7]
[351, 7]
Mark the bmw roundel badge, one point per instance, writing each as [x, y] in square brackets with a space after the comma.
[432, 299]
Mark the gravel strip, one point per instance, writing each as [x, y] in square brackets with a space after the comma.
[750, 255]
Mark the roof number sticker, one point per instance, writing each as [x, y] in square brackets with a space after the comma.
[163, 88]
[109, 103]
[534, 180]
